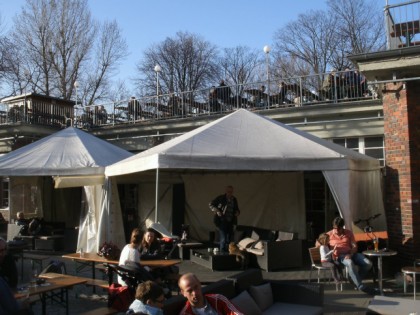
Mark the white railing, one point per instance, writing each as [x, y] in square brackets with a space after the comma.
[325, 88]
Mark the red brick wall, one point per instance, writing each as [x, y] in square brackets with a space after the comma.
[402, 152]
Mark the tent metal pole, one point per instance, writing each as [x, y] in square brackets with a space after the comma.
[157, 194]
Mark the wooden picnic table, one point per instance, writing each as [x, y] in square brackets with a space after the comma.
[53, 282]
[88, 260]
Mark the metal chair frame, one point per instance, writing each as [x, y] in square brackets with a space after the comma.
[315, 256]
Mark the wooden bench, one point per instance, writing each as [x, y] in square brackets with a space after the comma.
[98, 283]
[101, 311]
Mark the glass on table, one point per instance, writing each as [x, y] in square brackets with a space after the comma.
[34, 277]
[375, 244]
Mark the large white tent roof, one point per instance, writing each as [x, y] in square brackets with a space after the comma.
[70, 151]
[245, 141]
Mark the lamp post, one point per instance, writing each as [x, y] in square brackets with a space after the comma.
[76, 85]
[25, 107]
[267, 50]
[157, 70]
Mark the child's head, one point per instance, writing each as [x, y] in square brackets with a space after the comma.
[323, 239]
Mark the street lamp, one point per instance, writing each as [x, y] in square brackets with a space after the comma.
[157, 70]
[25, 107]
[76, 85]
[267, 60]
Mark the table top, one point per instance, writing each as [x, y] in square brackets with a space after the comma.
[54, 282]
[93, 257]
[410, 269]
[205, 252]
[189, 243]
[380, 253]
[390, 305]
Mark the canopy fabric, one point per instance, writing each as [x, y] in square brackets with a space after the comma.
[70, 151]
[358, 195]
[110, 227]
[77, 181]
[245, 141]
[76, 159]
[88, 219]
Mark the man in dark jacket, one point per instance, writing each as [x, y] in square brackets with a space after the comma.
[226, 210]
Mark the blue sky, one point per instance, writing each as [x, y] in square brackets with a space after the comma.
[225, 23]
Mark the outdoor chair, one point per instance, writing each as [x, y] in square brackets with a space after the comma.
[316, 264]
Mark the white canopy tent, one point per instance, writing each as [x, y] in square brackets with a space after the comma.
[73, 158]
[246, 144]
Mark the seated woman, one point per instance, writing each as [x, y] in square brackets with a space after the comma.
[130, 256]
[150, 248]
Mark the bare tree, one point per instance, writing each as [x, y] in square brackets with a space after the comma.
[60, 43]
[111, 48]
[360, 28]
[187, 61]
[320, 40]
[33, 39]
[238, 65]
[310, 39]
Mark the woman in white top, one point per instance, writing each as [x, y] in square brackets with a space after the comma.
[327, 257]
[130, 252]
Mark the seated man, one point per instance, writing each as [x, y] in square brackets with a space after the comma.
[198, 303]
[223, 92]
[261, 98]
[346, 253]
[149, 299]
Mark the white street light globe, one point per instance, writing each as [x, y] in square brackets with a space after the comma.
[76, 84]
[158, 68]
[267, 49]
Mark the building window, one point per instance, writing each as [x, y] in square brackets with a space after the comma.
[4, 193]
[371, 146]
[374, 147]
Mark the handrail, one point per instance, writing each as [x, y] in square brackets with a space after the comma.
[324, 88]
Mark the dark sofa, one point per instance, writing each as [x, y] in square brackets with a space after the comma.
[288, 297]
[49, 237]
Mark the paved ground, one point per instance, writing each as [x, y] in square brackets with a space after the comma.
[348, 301]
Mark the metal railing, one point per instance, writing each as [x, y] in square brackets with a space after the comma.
[403, 24]
[325, 88]
[36, 112]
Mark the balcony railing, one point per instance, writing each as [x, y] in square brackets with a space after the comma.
[325, 88]
[403, 24]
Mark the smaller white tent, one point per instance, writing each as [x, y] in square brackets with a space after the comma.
[75, 159]
[70, 151]
[244, 142]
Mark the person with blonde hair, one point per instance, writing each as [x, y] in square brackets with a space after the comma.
[326, 257]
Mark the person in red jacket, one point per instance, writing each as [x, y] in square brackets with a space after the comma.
[198, 303]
